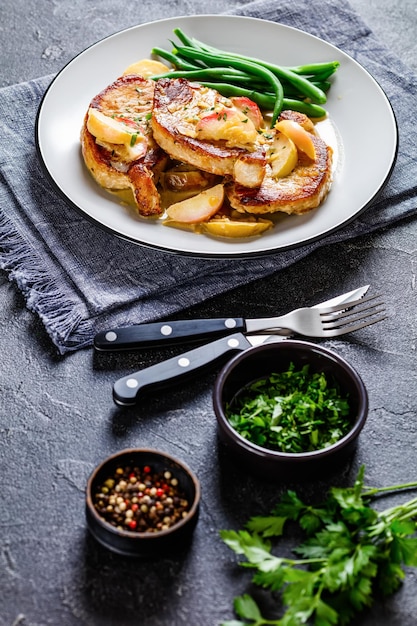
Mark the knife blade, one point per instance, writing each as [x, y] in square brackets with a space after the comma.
[168, 333]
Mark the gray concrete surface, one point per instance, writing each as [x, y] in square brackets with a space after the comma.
[56, 420]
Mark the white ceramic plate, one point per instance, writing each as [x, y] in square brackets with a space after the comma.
[362, 130]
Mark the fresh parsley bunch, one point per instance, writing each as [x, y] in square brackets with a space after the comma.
[351, 552]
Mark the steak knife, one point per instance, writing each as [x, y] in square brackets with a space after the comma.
[127, 389]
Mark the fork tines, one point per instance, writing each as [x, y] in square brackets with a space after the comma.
[368, 311]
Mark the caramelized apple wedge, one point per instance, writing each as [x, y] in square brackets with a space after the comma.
[236, 229]
[146, 68]
[114, 130]
[301, 137]
[250, 109]
[282, 156]
[227, 124]
[199, 208]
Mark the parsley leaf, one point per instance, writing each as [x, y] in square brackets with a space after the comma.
[268, 526]
[350, 551]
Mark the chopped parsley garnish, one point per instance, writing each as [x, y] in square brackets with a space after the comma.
[293, 411]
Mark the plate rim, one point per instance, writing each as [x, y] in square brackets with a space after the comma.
[241, 254]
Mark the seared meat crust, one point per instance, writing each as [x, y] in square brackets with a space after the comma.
[164, 115]
[302, 190]
[112, 165]
[177, 105]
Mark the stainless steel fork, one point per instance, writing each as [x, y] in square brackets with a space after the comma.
[324, 322]
[306, 321]
[370, 311]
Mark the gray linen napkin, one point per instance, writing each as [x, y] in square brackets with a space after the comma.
[78, 287]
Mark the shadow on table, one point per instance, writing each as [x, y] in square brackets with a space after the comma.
[245, 493]
[122, 590]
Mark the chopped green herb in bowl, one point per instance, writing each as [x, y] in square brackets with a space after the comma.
[293, 411]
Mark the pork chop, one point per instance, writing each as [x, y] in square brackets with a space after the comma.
[117, 143]
[196, 125]
[298, 192]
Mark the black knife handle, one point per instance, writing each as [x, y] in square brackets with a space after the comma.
[127, 389]
[166, 333]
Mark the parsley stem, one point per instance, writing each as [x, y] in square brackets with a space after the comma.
[353, 549]
[304, 561]
[408, 509]
[375, 491]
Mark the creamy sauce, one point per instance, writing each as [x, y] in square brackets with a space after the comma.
[167, 197]
[325, 128]
[124, 195]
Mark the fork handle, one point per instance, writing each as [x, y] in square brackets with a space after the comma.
[166, 333]
[127, 389]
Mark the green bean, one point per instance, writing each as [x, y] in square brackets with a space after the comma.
[298, 80]
[308, 89]
[301, 88]
[324, 85]
[244, 65]
[329, 67]
[230, 75]
[320, 76]
[173, 59]
[292, 92]
[266, 100]
[191, 41]
[185, 40]
[224, 74]
[303, 85]
[308, 108]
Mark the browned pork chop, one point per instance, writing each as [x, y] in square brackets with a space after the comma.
[184, 112]
[300, 191]
[134, 165]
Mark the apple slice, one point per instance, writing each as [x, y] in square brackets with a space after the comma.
[227, 124]
[249, 108]
[282, 156]
[146, 68]
[111, 130]
[302, 138]
[249, 169]
[236, 228]
[199, 208]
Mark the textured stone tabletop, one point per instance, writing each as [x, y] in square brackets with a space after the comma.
[57, 420]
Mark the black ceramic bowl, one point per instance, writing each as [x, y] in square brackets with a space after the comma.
[150, 465]
[260, 362]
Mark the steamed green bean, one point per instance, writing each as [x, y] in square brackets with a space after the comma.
[273, 87]
[266, 100]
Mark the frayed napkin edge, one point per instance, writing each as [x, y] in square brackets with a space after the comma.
[42, 293]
